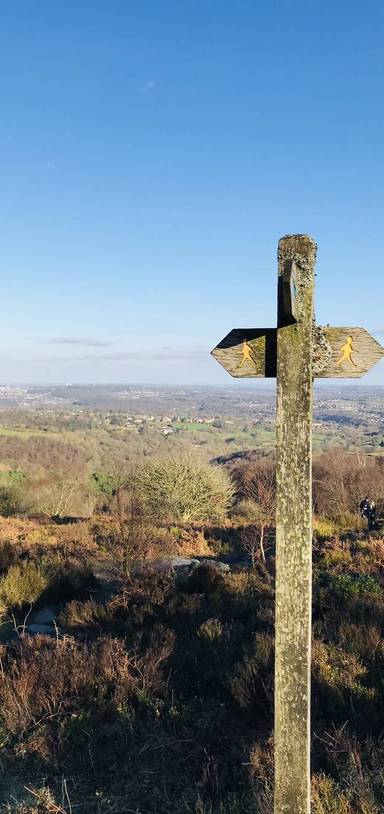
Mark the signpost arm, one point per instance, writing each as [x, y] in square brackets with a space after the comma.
[296, 254]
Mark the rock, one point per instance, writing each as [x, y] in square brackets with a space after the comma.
[182, 562]
[177, 564]
[185, 564]
[221, 566]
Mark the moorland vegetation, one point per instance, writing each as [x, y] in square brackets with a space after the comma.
[137, 631]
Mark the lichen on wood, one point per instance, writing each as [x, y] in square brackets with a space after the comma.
[294, 536]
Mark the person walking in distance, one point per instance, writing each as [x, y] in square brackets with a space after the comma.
[371, 515]
[368, 511]
[364, 507]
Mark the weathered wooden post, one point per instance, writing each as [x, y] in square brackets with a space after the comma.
[296, 262]
[295, 353]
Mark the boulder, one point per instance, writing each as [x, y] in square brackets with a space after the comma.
[221, 566]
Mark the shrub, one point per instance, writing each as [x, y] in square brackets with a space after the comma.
[12, 493]
[329, 798]
[337, 556]
[76, 537]
[45, 678]
[246, 582]
[335, 667]
[205, 579]
[68, 581]
[8, 554]
[61, 494]
[21, 584]
[36, 801]
[256, 486]
[364, 639]
[323, 528]
[211, 630]
[184, 488]
[250, 685]
[352, 585]
[261, 769]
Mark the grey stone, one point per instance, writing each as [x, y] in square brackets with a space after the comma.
[221, 566]
[183, 562]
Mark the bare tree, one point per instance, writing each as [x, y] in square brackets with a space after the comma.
[55, 494]
[341, 479]
[257, 486]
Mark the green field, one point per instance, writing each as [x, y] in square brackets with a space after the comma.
[22, 432]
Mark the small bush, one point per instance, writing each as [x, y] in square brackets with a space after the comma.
[76, 537]
[363, 639]
[36, 801]
[261, 770]
[352, 585]
[251, 684]
[47, 678]
[182, 489]
[324, 529]
[205, 579]
[211, 630]
[8, 555]
[21, 584]
[337, 556]
[68, 581]
[248, 582]
[12, 493]
[329, 798]
[335, 667]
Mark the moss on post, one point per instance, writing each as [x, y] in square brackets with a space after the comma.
[294, 529]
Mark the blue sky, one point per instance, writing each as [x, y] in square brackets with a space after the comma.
[152, 153]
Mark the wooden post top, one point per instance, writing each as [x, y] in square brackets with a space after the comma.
[296, 256]
[301, 244]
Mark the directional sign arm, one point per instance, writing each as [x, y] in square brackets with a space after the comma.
[248, 352]
[340, 353]
[344, 352]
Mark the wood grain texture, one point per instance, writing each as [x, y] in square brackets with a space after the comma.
[364, 352]
[262, 356]
[294, 535]
[328, 359]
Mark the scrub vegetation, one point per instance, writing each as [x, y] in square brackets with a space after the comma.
[137, 629]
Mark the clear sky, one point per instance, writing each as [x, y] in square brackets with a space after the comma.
[152, 153]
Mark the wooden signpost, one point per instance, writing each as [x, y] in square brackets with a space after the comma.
[295, 352]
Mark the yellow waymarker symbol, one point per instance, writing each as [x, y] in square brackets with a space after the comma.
[248, 355]
[346, 353]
